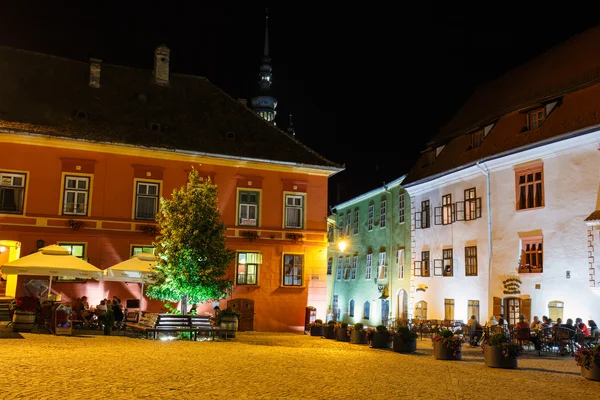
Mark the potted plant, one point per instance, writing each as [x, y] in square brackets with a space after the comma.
[24, 313]
[229, 320]
[342, 334]
[589, 361]
[404, 340]
[380, 337]
[446, 346]
[358, 334]
[500, 352]
[330, 329]
[316, 328]
[108, 320]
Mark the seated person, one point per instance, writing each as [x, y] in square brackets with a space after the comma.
[118, 310]
[101, 309]
[594, 330]
[524, 330]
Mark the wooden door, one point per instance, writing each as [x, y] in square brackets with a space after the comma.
[512, 309]
[246, 307]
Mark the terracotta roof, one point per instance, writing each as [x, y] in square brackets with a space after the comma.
[593, 217]
[45, 94]
[568, 71]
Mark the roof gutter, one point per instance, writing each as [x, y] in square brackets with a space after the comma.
[496, 156]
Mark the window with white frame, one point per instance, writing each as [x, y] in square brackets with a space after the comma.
[371, 216]
[294, 211]
[449, 309]
[347, 268]
[382, 213]
[293, 267]
[401, 208]
[247, 268]
[382, 267]
[76, 195]
[248, 207]
[146, 202]
[12, 192]
[355, 223]
[532, 255]
[354, 267]
[369, 266]
[339, 268]
[329, 265]
[400, 263]
[141, 249]
[473, 308]
[348, 223]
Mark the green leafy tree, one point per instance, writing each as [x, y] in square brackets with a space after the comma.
[191, 248]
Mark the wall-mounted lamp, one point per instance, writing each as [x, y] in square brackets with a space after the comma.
[2, 249]
[40, 243]
[342, 244]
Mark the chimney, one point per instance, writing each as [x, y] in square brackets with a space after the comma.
[161, 65]
[243, 101]
[95, 67]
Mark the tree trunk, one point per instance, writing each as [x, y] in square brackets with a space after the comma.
[184, 305]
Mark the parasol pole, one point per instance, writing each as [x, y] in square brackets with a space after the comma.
[50, 287]
[141, 298]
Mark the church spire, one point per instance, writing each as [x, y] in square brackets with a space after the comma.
[264, 104]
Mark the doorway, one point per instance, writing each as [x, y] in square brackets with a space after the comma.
[385, 311]
[402, 304]
[246, 307]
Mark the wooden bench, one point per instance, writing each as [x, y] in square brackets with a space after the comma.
[175, 323]
[145, 325]
[204, 326]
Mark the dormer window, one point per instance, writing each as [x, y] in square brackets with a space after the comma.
[429, 158]
[155, 126]
[476, 139]
[535, 118]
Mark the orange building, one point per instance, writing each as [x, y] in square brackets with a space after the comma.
[89, 149]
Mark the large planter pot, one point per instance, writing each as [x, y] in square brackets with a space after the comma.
[440, 352]
[494, 359]
[23, 321]
[381, 341]
[329, 332]
[317, 330]
[592, 373]
[341, 335]
[399, 345]
[229, 322]
[358, 337]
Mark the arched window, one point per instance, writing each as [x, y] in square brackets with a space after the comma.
[421, 310]
[366, 310]
[555, 309]
[351, 309]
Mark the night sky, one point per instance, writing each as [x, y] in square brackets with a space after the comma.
[367, 87]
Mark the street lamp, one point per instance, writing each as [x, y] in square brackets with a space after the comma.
[342, 244]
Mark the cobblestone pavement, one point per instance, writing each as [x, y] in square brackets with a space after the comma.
[260, 365]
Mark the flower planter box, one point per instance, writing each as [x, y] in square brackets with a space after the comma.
[592, 373]
[440, 352]
[341, 335]
[329, 332]
[381, 341]
[399, 345]
[494, 359]
[317, 330]
[358, 337]
[23, 321]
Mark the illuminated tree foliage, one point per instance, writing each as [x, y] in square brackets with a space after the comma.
[192, 257]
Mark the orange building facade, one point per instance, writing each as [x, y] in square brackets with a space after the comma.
[98, 195]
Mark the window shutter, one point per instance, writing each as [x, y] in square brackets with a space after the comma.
[418, 220]
[459, 209]
[478, 207]
[438, 269]
[526, 308]
[453, 212]
[437, 215]
[417, 271]
[497, 309]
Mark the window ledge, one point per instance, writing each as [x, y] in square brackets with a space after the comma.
[529, 209]
[291, 287]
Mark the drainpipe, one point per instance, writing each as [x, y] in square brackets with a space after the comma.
[390, 275]
[486, 172]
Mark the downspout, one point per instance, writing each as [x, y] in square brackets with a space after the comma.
[486, 172]
[391, 246]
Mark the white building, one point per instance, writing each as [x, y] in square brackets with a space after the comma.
[515, 175]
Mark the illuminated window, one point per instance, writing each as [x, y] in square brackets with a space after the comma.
[400, 263]
[425, 267]
[473, 308]
[248, 207]
[536, 118]
[141, 249]
[532, 255]
[77, 250]
[76, 195]
[369, 266]
[449, 309]
[448, 214]
[555, 309]
[12, 192]
[530, 187]
[293, 268]
[471, 261]
[421, 310]
[448, 264]
[146, 202]
[472, 205]
[247, 268]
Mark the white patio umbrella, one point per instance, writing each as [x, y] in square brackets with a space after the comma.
[136, 269]
[53, 260]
